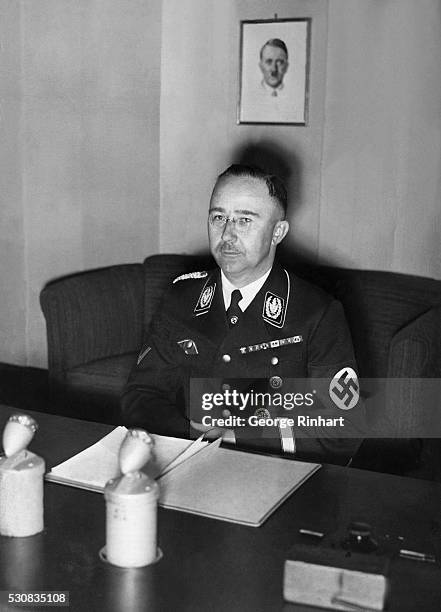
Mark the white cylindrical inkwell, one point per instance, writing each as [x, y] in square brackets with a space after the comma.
[21, 480]
[131, 519]
[131, 506]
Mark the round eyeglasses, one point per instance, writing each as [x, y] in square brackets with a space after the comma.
[219, 222]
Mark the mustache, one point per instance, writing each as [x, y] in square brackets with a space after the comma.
[227, 247]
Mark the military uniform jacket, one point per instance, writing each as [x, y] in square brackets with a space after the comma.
[291, 330]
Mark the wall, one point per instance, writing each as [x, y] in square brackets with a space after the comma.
[89, 125]
[12, 262]
[381, 185]
[111, 106]
[199, 133]
[366, 180]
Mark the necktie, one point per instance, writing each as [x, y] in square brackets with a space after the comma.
[234, 312]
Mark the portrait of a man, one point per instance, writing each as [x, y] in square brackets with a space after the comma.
[274, 62]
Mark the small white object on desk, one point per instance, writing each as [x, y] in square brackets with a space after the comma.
[21, 480]
[131, 506]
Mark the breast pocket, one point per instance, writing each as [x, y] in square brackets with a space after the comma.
[291, 363]
[195, 356]
[291, 353]
[286, 360]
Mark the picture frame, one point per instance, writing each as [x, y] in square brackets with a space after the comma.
[274, 67]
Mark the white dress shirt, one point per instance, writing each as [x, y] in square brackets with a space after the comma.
[248, 292]
[273, 91]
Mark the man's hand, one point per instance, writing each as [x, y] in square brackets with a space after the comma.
[211, 433]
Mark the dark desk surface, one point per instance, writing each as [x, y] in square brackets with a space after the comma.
[211, 565]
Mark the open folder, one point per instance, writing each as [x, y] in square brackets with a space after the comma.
[195, 476]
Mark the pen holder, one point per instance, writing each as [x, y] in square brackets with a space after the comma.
[21, 494]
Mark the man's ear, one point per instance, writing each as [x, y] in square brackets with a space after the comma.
[280, 230]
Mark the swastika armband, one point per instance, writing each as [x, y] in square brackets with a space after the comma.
[344, 389]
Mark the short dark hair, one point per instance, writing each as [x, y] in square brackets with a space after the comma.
[275, 186]
[275, 42]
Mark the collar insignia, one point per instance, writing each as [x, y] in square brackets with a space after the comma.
[190, 275]
[205, 299]
[274, 309]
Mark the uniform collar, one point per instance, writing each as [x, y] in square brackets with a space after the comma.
[271, 302]
[248, 292]
[209, 316]
[264, 317]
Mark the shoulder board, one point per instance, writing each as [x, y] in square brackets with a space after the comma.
[191, 275]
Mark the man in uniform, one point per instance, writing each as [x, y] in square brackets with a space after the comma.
[248, 325]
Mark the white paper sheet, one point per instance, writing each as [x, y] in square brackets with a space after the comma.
[96, 465]
[232, 485]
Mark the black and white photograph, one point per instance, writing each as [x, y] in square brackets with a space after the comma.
[220, 305]
[274, 65]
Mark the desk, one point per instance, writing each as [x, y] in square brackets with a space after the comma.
[209, 565]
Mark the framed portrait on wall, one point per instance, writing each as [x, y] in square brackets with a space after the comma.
[274, 71]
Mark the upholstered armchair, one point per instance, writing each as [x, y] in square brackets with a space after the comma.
[96, 322]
